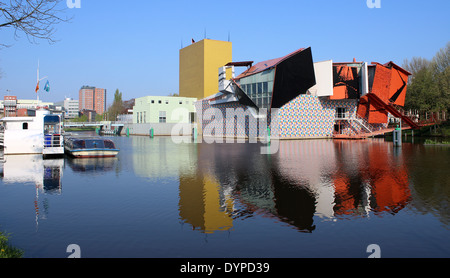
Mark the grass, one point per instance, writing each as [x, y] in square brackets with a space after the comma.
[433, 142]
[6, 250]
[80, 129]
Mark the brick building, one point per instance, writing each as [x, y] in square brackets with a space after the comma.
[92, 98]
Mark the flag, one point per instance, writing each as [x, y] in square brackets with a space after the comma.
[47, 87]
[37, 87]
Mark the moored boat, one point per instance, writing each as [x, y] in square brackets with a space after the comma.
[88, 147]
[39, 134]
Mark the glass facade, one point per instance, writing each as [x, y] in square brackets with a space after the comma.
[259, 87]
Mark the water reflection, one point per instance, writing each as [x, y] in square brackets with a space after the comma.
[44, 174]
[204, 204]
[306, 182]
[377, 181]
[89, 166]
[305, 179]
[159, 157]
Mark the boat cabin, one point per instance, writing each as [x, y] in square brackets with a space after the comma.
[40, 134]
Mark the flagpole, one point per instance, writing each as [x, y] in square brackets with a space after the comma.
[37, 86]
[37, 92]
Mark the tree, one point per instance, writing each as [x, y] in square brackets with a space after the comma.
[99, 117]
[35, 18]
[81, 118]
[441, 72]
[117, 107]
[429, 85]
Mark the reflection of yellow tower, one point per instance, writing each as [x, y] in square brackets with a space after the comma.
[200, 204]
[199, 64]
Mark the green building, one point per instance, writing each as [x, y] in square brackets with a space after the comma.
[164, 109]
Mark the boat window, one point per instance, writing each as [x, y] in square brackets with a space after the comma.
[25, 126]
[109, 145]
[94, 144]
[79, 144]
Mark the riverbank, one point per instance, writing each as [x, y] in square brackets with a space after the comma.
[436, 143]
[433, 131]
[440, 130]
[7, 251]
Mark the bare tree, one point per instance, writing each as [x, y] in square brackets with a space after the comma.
[35, 18]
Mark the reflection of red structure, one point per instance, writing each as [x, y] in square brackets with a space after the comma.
[387, 181]
[345, 201]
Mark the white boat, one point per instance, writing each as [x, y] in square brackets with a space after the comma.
[88, 147]
[40, 134]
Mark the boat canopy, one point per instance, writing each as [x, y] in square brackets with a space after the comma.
[51, 119]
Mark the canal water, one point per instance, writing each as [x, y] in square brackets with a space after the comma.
[164, 199]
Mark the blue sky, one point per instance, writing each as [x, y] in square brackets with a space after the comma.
[134, 45]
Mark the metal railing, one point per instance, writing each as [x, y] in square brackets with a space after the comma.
[53, 141]
[363, 122]
[67, 124]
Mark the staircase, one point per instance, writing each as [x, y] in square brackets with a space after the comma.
[391, 109]
[367, 130]
[363, 123]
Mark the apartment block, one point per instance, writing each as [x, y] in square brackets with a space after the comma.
[92, 98]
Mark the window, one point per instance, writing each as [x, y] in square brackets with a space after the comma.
[260, 88]
[180, 102]
[167, 102]
[162, 116]
[94, 144]
[265, 87]
[109, 144]
[159, 102]
[341, 113]
[153, 101]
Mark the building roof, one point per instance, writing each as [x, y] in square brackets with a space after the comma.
[240, 64]
[392, 64]
[265, 65]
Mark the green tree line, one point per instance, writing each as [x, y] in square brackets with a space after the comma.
[429, 85]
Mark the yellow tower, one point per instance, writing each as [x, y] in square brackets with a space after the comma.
[199, 67]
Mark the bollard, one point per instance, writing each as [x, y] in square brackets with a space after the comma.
[397, 137]
[151, 132]
[194, 133]
[128, 132]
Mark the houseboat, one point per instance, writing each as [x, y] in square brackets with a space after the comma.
[39, 134]
[87, 147]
